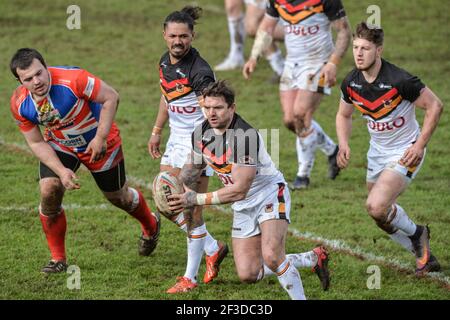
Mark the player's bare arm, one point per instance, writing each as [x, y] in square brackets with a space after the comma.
[433, 109]
[47, 155]
[263, 39]
[191, 172]
[109, 99]
[343, 37]
[344, 131]
[155, 138]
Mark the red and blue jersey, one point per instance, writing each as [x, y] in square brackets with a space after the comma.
[68, 112]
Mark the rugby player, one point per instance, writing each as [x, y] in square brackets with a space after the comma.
[309, 71]
[386, 96]
[183, 75]
[257, 189]
[76, 110]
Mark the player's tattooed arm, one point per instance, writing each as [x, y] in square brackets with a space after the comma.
[343, 36]
[191, 171]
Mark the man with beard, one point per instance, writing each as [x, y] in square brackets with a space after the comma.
[183, 75]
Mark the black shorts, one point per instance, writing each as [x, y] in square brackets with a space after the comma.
[108, 181]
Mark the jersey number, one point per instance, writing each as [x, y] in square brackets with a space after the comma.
[226, 180]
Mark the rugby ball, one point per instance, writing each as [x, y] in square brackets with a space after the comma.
[163, 186]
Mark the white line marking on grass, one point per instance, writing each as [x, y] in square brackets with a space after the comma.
[335, 244]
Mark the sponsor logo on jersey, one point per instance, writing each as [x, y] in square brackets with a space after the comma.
[386, 126]
[302, 30]
[384, 86]
[354, 85]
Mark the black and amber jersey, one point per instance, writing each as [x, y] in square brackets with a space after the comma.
[306, 25]
[386, 103]
[181, 85]
[240, 144]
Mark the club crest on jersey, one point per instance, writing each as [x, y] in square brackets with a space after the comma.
[388, 104]
[179, 87]
[47, 115]
[269, 208]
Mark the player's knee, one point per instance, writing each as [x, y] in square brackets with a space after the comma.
[376, 210]
[289, 123]
[300, 116]
[251, 29]
[52, 192]
[247, 276]
[119, 201]
[271, 258]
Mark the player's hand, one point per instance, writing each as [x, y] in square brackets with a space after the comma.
[329, 71]
[153, 146]
[412, 156]
[97, 147]
[343, 156]
[249, 68]
[178, 202]
[69, 179]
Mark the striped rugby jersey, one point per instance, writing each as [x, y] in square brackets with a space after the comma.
[242, 145]
[68, 113]
[386, 104]
[307, 29]
[182, 84]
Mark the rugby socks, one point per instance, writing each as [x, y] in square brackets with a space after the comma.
[306, 148]
[290, 280]
[401, 238]
[211, 245]
[236, 29]
[324, 142]
[195, 247]
[400, 220]
[141, 212]
[54, 227]
[298, 260]
[276, 61]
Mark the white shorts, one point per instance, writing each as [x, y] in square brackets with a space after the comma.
[389, 160]
[273, 203]
[261, 4]
[178, 149]
[303, 76]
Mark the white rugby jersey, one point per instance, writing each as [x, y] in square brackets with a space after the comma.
[182, 84]
[307, 23]
[386, 104]
[241, 144]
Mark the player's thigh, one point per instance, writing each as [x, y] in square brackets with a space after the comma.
[306, 103]
[253, 17]
[273, 241]
[233, 8]
[247, 257]
[287, 100]
[111, 180]
[384, 192]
